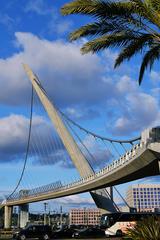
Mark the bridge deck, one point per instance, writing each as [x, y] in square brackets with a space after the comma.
[140, 163]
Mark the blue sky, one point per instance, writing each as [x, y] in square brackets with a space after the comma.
[87, 88]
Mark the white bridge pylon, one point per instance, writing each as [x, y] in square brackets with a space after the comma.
[100, 196]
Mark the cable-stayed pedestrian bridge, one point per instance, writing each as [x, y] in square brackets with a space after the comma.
[141, 161]
[123, 160]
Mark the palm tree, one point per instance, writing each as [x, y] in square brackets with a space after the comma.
[131, 25]
[148, 229]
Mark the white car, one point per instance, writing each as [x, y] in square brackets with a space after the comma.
[110, 233]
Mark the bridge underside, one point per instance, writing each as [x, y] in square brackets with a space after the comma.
[151, 169]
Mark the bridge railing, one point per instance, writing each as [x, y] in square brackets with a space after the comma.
[58, 186]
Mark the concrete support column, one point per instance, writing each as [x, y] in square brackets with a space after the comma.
[23, 215]
[7, 216]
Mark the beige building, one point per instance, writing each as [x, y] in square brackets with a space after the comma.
[85, 216]
[144, 197]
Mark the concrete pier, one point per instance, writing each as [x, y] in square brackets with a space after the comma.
[23, 215]
[7, 216]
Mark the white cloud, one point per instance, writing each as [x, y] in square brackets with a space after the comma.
[75, 81]
[38, 6]
[129, 108]
[149, 180]
[73, 112]
[58, 26]
[55, 24]
[64, 26]
[14, 135]
[79, 112]
[75, 200]
[155, 77]
[100, 155]
[126, 85]
[141, 112]
[6, 20]
[109, 57]
[70, 77]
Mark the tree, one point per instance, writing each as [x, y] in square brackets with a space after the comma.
[148, 229]
[131, 25]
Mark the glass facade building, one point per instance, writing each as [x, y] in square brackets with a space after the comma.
[144, 197]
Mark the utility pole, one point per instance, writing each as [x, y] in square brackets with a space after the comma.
[45, 213]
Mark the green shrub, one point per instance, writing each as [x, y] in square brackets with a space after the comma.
[148, 229]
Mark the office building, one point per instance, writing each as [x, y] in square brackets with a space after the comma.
[144, 197]
[85, 216]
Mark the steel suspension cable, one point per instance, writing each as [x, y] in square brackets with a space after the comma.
[28, 145]
[96, 135]
[80, 127]
[116, 150]
[121, 196]
[90, 154]
[108, 147]
[123, 146]
[99, 144]
[110, 197]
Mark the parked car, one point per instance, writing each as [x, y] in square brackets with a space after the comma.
[63, 233]
[34, 231]
[118, 233]
[89, 233]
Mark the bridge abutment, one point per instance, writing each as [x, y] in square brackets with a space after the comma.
[7, 216]
[23, 215]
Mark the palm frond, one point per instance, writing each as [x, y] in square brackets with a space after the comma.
[104, 8]
[155, 4]
[97, 8]
[112, 40]
[149, 59]
[129, 24]
[142, 9]
[134, 47]
[110, 25]
[148, 229]
[90, 30]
